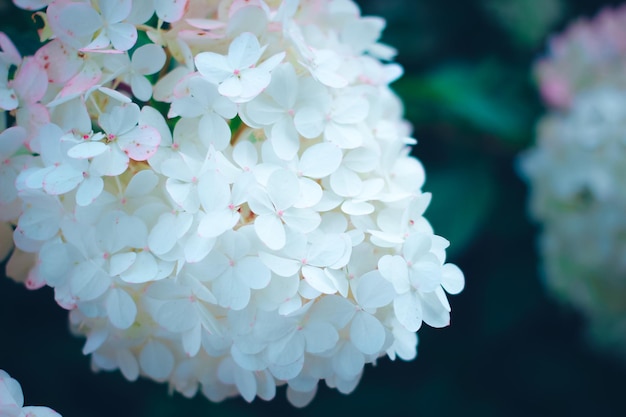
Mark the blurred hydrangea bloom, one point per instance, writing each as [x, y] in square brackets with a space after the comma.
[577, 175]
[270, 232]
[589, 53]
[12, 400]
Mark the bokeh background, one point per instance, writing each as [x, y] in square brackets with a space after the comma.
[512, 350]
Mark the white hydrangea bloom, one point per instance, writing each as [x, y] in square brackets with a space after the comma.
[12, 400]
[577, 170]
[271, 232]
[576, 173]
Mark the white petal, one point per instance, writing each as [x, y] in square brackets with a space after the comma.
[271, 231]
[121, 308]
[143, 270]
[156, 360]
[348, 362]
[394, 270]
[320, 160]
[280, 266]
[452, 279]
[408, 311]
[372, 291]
[252, 272]
[177, 315]
[317, 279]
[367, 333]
[320, 337]
[87, 149]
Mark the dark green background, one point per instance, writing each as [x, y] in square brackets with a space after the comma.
[511, 349]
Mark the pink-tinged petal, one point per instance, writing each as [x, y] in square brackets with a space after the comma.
[164, 88]
[123, 36]
[62, 179]
[367, 333]
[60, 61]
[408, 311]
[19, 268]
[140, 143]
[120, 307]
[297, 398]
[152, 117]
[31, 81]
[452, 279]
[320, 160]
[88, 77]
[73, 23]
[32, 116]
[171, 10]
[143, 270]
[317, 278]
[271, 231]
[244, 51]
[86, 150]
[148, 59]
[39, 411]
[156, 360]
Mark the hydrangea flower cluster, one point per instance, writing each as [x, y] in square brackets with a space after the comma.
[12, 400]
[589, 53]
[577, 174]
[269, 232]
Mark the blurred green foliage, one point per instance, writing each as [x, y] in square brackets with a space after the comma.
[511, 350]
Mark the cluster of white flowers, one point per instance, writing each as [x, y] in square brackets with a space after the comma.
[270, 232]
[577, 175]
[12, 400]
[588, 54]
